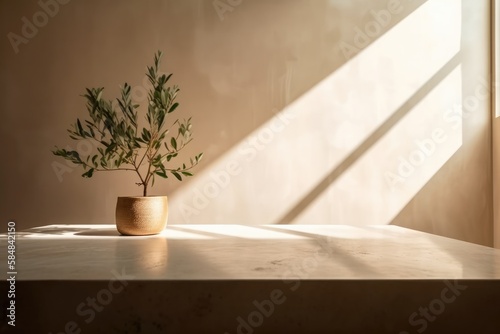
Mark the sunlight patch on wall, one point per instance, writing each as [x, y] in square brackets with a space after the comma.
[285, 159]
[390, 174]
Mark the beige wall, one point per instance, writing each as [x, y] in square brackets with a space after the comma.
[496, 122]
[457, 201]
[297, 126]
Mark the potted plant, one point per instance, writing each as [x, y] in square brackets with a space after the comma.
[123, 145]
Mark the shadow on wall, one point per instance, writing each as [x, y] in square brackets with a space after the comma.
[357, 146]
[456, 201]
[258, 63]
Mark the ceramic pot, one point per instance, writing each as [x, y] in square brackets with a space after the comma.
[141, 215]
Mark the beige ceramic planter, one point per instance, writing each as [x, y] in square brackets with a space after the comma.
[141, 215]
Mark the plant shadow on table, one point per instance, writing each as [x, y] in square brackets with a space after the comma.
[56, 230]
[102, 232]
[83, 231]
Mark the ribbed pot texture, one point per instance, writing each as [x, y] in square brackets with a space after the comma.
[141, 215]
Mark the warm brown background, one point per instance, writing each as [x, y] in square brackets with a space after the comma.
[235, 74]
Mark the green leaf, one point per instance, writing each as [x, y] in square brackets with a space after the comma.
[111, 147]
[80, 128]
[177, 175]
[173, 142]
[146, 135]
[60, 152]
[89, 173]
[173, 107]
[187, 173]
[163, 97]
[162, 174]
[75, 157]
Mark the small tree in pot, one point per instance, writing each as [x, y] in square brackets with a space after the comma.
[122, 145]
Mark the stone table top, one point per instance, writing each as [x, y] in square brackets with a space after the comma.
[238, 252]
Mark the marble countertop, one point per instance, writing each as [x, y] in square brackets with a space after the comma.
[232, 252]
